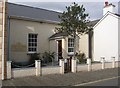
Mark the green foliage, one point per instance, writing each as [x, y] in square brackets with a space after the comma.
[73, 20]
[81, 57]
[48, 57]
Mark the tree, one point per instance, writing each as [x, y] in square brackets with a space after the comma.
[74, 21]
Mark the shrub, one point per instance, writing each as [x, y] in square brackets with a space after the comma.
[48, 57]
[81, 57]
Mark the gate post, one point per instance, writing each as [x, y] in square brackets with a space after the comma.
[38, 67]
[89, 64]
[73, 65]
[9, 72]
[103, 62]
[62, 66]
[113, 62]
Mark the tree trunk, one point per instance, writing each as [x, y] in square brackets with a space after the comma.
[74, 55]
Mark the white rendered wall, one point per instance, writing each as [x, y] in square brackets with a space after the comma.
[106, 39]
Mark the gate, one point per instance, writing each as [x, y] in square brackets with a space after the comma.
[68, 65]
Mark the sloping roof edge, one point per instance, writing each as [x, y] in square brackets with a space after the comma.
[32, 19]
[108, 13]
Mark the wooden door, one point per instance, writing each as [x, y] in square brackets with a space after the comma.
[59, 49]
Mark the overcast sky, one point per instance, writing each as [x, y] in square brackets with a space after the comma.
[93, 7]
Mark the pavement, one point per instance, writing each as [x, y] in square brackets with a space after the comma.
[68, 79]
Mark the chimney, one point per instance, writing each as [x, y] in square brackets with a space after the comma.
[106, 3]
[108, 7]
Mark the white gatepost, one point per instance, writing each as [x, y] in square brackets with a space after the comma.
[38, 67]
[89, 64]
[103, 62]
[9, 71]
[113, 62]
[62, 66]
[73, 65]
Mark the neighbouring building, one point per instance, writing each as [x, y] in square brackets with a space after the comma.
[107, 35]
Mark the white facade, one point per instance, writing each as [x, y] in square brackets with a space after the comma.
[106, 39]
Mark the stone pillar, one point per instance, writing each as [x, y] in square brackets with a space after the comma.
[9, 72]
[60, 62]
[113, 62]
[89, 64]
[62, 66]
[103, 62]
[38, 67]
[73, 65]
[3, 39]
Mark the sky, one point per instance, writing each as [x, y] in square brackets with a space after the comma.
[93, 7]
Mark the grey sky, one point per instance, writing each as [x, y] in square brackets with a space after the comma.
[93, 8]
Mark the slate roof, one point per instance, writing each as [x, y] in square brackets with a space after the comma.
[58, 35]
[92, 23]
[117, 15]
[32, 12]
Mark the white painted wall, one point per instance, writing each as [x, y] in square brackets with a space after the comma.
[106, 39]
[19, 30]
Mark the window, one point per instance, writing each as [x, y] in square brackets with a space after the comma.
[32, 43]
[70, 45]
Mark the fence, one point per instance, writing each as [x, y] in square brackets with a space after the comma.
[38, 70]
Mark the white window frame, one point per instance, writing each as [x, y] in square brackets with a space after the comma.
[30, 52]
[71, 46]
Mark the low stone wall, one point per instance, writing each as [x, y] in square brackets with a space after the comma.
[22, 72]
[50, 70]
[96, 66]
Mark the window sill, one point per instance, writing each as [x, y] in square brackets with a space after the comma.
[29, 53]
[70, 53]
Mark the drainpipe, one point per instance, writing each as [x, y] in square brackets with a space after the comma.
[8, 32]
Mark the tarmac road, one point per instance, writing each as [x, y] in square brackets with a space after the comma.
[104, 82]
[69, 79]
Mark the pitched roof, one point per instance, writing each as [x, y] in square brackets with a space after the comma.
[58, 35]
[117, 15]
[108, 13]
[32, 12]
[92, 23]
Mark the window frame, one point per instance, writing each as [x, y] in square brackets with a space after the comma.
[31, 46]
[70, 46]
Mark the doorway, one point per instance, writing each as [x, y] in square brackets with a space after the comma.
[59, 49]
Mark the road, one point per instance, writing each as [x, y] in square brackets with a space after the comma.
[106, 77]
[104, 82]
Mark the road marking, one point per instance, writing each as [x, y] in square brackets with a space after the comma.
[96, 81]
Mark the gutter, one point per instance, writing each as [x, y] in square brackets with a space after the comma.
[34, 20]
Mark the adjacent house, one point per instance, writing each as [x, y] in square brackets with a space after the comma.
[106, 35]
